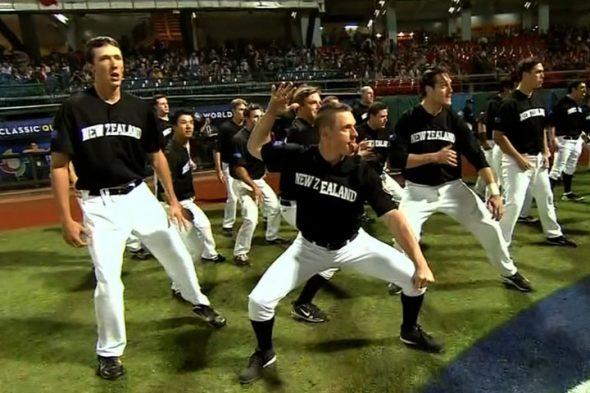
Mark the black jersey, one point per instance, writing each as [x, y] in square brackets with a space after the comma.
[490, 115]
[330, 199]
[304, 134]
[165, 128]
[379, 140]
[587, 123]
[242, 157]
[180, 169]
[360, 111]
[281, 125]
[226, 133]
[568, 118]
[522, 119]
[106, 142]
[419, 132]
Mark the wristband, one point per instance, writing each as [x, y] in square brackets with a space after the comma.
[493, 189]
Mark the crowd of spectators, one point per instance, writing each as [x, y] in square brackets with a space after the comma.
[356, 56]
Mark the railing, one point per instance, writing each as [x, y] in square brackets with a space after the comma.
[103, 5]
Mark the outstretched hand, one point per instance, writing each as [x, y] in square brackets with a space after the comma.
[280, 97]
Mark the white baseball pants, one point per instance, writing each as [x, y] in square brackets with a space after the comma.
[229, 211]
[516, 182]
[458, 201]
[203, 227]
[567, 156]
[304, 259]
[250, 214]
[111, 219]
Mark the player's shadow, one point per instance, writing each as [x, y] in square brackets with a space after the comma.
[27, 259]
[453, 285]
[56, 230]
[345, 344]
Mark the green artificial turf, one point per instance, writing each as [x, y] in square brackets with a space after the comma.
[47, 328]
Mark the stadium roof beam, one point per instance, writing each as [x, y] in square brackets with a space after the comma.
[112, 5]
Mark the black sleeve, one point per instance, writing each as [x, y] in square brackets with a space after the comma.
[279, 156]
[173, 162]
[61, 140]
[505, 120]
[468, 145]
[152, 137]
[380, 201]
[220, 136]
[398, 144]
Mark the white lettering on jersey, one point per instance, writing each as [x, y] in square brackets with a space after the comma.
[110, 129]
[325, 187]
[430, 135]
[574, 109]
[167, 131]
[532, 113]
[377, 143]
[186, 167]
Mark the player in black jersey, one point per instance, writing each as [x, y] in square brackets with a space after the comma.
[430, 138]
[179, 153]
[569, 121]
[332, 188]
[107, 133]
[520, 131]
[251, 189]
[360, 108]
[223, 156]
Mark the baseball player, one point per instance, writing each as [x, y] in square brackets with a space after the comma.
[107, 133]
[569, 120]
[361, 106]
[181, 167]
[302, 132]
[430, 138]
[331, 190]
[251, 189]
[223, 156]
[520, 132]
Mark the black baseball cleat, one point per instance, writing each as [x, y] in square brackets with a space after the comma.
[393, 289]
[258, 361]
[241, 260]
[570, 196]
[178, 296]
[141, 255]
[209, 315]
[518, 281]
[308, 312]
[419, 339]
[110, 368]
[528, 220]
[277, 241]
[365, 219]
[227, 232]
[218, 259]
[561, 241]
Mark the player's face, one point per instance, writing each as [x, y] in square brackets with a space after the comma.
[580, 92]
[534, 78]
[368, 96]
[343, 136]
[380, 119]
[311, 106]
[162, 107]
[238, 113]
[253, 118]
[108, 66]
[185, 126]
[442, 93]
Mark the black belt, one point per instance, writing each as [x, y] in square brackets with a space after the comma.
[286, 202]
[571, 138]
[333, 245]
[118, 190]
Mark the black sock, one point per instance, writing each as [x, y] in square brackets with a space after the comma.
[312, 286]
[411, 308]
[263, 332]
[567, 183]
[552, 182]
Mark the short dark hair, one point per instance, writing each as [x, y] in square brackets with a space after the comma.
[158, 97]
[526, 65]
[325, 117]
[429, 78]
[376, 107]
[506, 84]
[98, 42]
[330, 99]
[179, 113]
[251, 108]
[574, 85]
